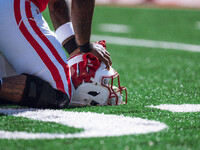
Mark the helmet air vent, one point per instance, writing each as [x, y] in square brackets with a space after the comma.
[93, 93]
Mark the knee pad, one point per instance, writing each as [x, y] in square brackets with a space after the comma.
[40, 94]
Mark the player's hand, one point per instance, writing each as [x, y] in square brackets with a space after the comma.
[100, 52]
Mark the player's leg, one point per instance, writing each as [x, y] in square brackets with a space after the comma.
[17, 89]
[27, 90]
[30, 46]
[12, 88]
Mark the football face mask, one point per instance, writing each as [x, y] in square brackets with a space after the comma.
[93, 84]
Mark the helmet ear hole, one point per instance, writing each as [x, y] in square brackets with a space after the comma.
[93, 93]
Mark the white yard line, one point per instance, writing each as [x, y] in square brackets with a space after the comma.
[93, 124]
[147, 43]
[114, 28]
[178, 108]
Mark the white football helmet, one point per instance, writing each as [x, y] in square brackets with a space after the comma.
[93, 84]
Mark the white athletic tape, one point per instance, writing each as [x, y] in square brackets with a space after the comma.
[64, 31]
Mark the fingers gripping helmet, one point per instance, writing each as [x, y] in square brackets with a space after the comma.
[93, 83]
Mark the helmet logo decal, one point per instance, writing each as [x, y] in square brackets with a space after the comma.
[84, 70]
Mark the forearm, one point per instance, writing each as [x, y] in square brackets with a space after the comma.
[82, 13]
[59, 11]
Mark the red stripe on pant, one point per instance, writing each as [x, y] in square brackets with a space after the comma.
[49, 45]
[18, 16]
[46, 60]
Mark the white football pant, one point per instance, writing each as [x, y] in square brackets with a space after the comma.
[28, 44]
[6, 68]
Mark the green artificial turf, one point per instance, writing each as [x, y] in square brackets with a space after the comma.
[11, 123]
[152, 76]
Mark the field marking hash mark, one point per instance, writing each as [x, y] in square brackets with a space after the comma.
[114, 28]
